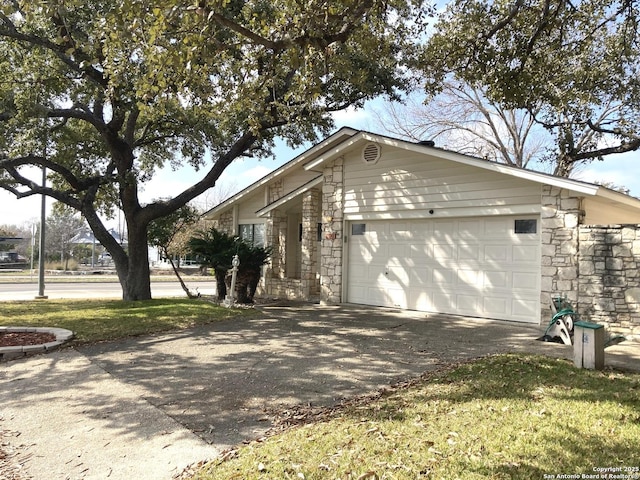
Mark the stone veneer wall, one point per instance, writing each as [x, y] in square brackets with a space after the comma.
[225, 223]
[332, 235]
[596, 267]
[311, 211]
[559, 229]
[609, 282]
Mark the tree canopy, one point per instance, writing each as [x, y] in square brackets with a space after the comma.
[102, 94]
[573, 64]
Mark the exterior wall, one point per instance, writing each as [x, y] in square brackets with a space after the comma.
[332, 235]
[404, 184]
[559, 227]
[609, 284]
[595, 266]
[225, 223]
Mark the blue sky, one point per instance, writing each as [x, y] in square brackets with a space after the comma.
[622, 170]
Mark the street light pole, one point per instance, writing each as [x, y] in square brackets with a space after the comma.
[43, 219]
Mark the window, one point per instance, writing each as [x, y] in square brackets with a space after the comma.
[358, 228]
[252, 233]
[526, 226]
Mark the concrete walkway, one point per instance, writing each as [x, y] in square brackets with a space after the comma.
[149, 406]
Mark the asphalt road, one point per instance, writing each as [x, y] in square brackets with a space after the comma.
[28, 291]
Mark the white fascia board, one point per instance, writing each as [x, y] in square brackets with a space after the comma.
[290, 196]
[618, 197]
[538, 177]
[337, 137]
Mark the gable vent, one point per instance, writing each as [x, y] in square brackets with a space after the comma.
[371, 153]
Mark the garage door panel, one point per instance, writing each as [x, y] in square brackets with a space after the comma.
[442, 302]
[472, 266]
[496, 307]
[468, 252]
[470, 229]
[443, 251]
[525, 254]
[421, 252]
[496, 279]
[420, 299]
[398, 251]
[469, 279]
[525, 281]
[444, 278]
[496, 253]
[467, 304]
[496, 228]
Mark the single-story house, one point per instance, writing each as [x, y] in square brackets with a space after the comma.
[366, 219]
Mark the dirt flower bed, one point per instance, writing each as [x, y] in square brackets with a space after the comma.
[16, 339]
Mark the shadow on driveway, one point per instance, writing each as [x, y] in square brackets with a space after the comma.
[219, 380]
[147, 407]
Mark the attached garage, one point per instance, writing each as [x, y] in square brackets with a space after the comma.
[486, 267]
[367, 219]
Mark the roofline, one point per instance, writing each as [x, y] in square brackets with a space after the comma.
[336, 137]
[575, 185]
[347, 137]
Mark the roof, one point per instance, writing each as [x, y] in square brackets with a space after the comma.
[347, 139]
[318, 149]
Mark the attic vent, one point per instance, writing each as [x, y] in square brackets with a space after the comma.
[371, 153]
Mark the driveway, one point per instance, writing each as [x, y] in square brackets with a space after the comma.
[146, 407]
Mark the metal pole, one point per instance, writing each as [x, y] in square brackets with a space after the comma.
[43, 219]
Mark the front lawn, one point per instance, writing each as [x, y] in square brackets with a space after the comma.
[501, 417]
[96, 320]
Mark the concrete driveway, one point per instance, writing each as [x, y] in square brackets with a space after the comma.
[147, 407]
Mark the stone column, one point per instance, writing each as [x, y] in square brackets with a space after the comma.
[311, 204]
[332, 234]
[561, 216]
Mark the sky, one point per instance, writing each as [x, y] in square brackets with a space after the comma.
[621, 170]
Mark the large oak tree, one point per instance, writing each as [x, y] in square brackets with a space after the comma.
[573, 64]
[102, 94]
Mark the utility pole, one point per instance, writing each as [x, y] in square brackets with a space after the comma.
[43, 220]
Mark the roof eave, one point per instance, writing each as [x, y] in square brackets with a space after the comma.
[337, 137]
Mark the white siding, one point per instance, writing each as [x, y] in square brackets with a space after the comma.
[297, 178]
[404, 182]
[250, 206]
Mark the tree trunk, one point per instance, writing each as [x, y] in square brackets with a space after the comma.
[134, 271]
[182, 284]
[221, 286]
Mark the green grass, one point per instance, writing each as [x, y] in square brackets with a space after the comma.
[502, 417]
[96, 320]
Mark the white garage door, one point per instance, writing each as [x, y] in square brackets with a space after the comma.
[484, 267]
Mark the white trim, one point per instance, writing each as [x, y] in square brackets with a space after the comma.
[337, 137]
[576, 186]
[445, 213]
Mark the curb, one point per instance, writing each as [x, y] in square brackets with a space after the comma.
[8, 353]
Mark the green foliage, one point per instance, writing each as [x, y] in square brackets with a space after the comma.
[217, 249]
[573, 63]
[105, 93]
[163, 231]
